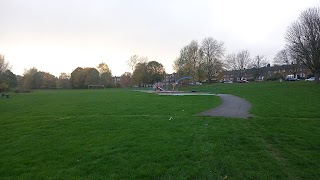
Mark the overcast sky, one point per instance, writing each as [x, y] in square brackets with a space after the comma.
[60, 35]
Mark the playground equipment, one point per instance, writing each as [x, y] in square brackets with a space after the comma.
[183, 78]
[157, 86]
[161, 89]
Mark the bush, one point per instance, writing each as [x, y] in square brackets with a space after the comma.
[275, 77]
[4, 87]
[22, 91]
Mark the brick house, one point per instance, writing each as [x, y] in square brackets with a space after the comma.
[268, 72]
[170, 78]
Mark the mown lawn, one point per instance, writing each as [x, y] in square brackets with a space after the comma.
[123, 134]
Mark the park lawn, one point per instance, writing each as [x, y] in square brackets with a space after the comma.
[122, 134]
[273, 99]
[287, 118]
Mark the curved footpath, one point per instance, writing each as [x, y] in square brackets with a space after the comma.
[232, 106]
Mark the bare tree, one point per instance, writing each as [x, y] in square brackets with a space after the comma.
[259, 61]
[212, 52]
[135, 60]
[239, 62]
[257, 64]
[303, 40]
[230, 62]
[283, 58]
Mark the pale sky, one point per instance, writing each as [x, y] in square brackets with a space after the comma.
[60, 35]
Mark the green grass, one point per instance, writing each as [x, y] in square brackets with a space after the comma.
[274, 99]
[121, 134]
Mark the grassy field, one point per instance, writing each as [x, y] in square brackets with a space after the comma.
[123, 134]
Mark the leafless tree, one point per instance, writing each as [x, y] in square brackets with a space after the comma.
[212, 52]
[230, 62]
[283, 58]
[239, 62]
[135, 60]
[257, 65]
[259, 61]
[303, 40]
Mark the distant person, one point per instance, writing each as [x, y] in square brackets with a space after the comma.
[173, 86]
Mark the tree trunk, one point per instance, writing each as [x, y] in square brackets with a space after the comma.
[316, 77]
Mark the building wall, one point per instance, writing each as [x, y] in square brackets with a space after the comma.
[170, 78]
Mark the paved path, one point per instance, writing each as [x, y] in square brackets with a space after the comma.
[232, 106]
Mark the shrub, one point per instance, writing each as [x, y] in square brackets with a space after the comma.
[275, 77]
[4, 87]
[22, 91]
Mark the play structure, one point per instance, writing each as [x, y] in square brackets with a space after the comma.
[183, 78]
[177, 82]
[157, 86]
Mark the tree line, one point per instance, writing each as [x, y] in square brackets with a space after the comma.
[207, 61]
[80, 78]
[144, 72]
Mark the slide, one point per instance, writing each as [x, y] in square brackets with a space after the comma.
[161, 89]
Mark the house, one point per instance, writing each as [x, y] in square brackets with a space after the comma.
[116, 79]
[170, 78]
[268, 72]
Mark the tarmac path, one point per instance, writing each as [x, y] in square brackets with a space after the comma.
[232, 106]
